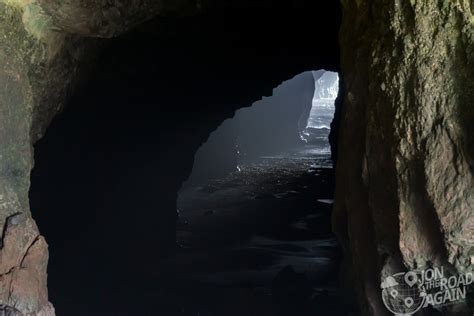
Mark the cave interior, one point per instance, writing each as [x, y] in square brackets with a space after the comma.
[109, 169]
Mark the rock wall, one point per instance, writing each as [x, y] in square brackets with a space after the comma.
[266, 127]
[272, 125]
[37, 67]
[404, 197]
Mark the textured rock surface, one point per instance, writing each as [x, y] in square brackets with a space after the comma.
[100, 18]
[36, 69]
[109, 18]
[405, 169]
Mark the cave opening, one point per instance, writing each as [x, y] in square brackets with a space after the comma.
[108, 171]
[299, 112]
[255, 212]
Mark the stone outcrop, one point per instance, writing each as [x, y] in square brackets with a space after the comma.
[405, 191]
[37, 67]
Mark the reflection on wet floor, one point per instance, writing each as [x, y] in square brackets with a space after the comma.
[258, 242]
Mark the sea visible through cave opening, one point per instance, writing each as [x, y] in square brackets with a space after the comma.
[254, 215]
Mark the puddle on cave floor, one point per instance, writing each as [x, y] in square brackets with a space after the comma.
[240, 232]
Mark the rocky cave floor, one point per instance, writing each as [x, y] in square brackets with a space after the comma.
[257, 242]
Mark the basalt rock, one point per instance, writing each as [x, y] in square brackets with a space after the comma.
[405, 191]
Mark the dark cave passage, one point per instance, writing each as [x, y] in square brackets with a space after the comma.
[110, 166]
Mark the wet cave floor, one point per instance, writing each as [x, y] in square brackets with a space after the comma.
[257, 242]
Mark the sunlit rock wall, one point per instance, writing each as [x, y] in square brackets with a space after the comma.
[405, 189]
[270, 126]
[274, 124]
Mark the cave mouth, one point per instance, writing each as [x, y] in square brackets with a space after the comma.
[107, 173]
[254, 215]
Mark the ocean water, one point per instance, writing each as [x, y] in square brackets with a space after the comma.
[319, 124]
[322, 112]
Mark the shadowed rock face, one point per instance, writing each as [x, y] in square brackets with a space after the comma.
[404, 179]
[110, 18]
[95, 18]
[36, 68]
